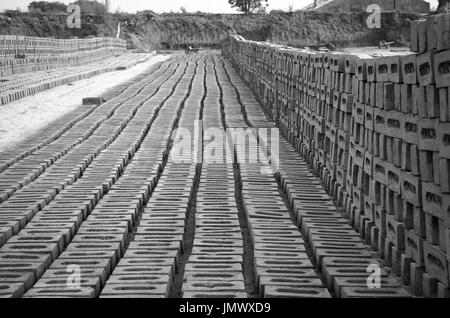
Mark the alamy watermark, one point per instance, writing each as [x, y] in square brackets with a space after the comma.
[73, 16]
[233, 145]
[374, 19]
[73, 281]
[374, 279]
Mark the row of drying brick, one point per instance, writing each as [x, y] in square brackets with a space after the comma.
[40, 200]
[15, 88]
[98, 245]
[13, 46]
[12, 154]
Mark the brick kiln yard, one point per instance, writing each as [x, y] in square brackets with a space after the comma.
[358, 181]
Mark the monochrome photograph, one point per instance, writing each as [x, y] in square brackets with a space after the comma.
[215, 153]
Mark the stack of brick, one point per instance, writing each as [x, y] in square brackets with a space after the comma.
[376, 128]
[20, 54]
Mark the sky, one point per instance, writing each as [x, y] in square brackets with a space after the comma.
[214, 6]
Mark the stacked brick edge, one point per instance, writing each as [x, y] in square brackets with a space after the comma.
[377, 131]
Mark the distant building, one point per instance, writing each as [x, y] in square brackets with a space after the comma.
[416, 6]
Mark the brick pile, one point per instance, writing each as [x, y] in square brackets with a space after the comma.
[376, 128]
[20, 54]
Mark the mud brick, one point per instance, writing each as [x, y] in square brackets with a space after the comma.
[365, 292]
[367, 94]
[411, 188]
[444, 140]
[397, 151]
[409, 210]
[442, 31]
[135, 290]
[419, 222]
[426, 165]
[442, 291]
[358, 198]
[444, 175]
[431, 33]
[61, 282]
[442, 69]
[393, 176]
[414, 247]
[361, 69]
[394, 124]
[410, 129]
[422, 35]
[432, 200]
[382, 70]
[408, 69]
[396, 262]
[362, 91]
[346, 102]
[223, 287]
[331, 273]
[447, 242]
[416, 276]
[436, 263]
[59, 292]
[433, 227]
[444, 104]
[350, 64]
[429, 286]
[414, 36]
[360, 282]
[379, 170]
[395, 232]
[368, 164]
[338, 63]
[405, 263]
[406, 99]
[371, 66]
[428, 134]
[369, 141]
[336, 99]
[93, 101]
[425, 68]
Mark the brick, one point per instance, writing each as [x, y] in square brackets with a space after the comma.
[408, 64]
[414, 247]
[422, 35]
[428, 134]
[442, 32]
[442, 69]
[435, 263]
[425, 69]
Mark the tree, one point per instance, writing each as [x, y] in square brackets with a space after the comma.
[443, 6]
[183, 10]
[291, 8]
[247, 6]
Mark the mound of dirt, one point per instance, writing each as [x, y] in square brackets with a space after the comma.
[149, 31]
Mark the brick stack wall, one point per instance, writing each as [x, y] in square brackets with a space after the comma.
[21, 54]
[377, 131]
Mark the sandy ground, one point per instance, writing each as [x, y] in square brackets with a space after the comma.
[22, 118]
